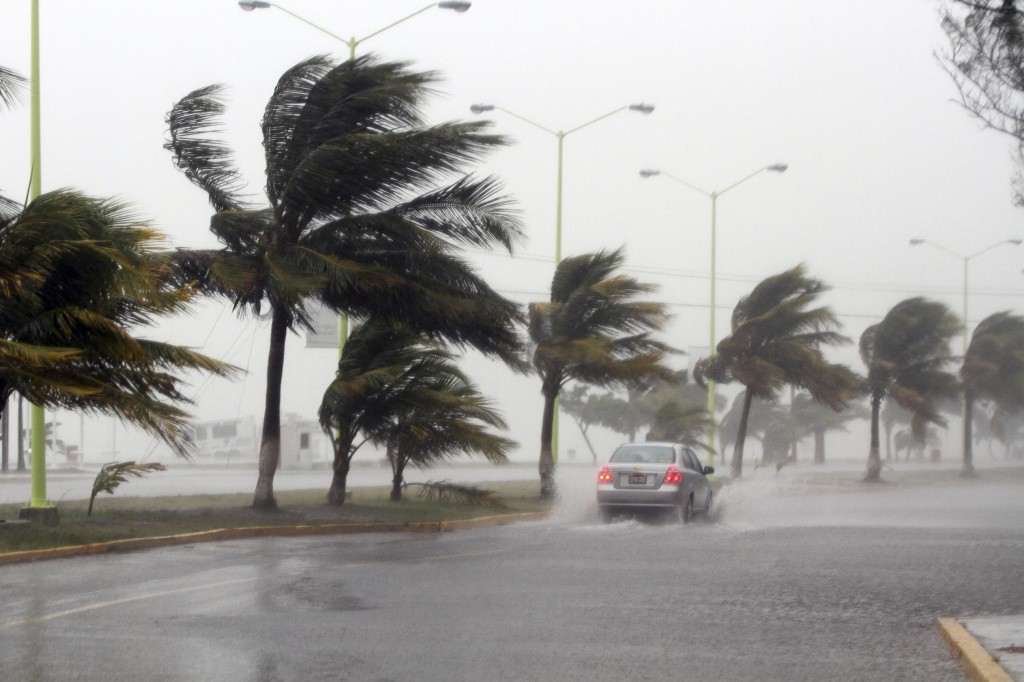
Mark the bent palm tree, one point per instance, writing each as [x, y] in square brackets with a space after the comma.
[906, 355]
[77, 276]
[446, 418]
[593, 331]
[356, 219]
[993, 370]
[776, 340]
[396, 389]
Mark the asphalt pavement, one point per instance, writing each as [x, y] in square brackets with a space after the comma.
[776, 587]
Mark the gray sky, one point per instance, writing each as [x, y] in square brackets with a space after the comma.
[848, 93]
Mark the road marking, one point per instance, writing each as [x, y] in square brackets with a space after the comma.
[124, 600]
[209, 586]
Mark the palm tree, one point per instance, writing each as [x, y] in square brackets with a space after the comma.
[446, 417]
[358, 218]
[817, 420]
[397, 389]
[681, 423]
[776, 340]
[993, 370]
[595, 332]
[78, 276]
[906, 355]
[760, 416]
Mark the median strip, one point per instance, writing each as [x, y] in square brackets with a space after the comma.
[266, 531]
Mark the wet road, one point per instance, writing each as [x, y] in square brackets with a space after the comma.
[779, 587]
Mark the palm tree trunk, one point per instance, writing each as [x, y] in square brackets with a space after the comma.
[270, 445]
[339, 481]
[397, 467]
[741, 435]
[546, 465]
[968, 469]
[819, 446]
[874, 460]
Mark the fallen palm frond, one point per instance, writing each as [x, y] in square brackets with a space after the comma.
[447, 492]
[113, 474]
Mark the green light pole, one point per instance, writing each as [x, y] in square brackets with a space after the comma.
[966, 261]
[713, 195]
[38, 508]
[560, 135]
[459, 6]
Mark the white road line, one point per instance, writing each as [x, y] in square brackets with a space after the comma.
[209, 586]
[124, 600]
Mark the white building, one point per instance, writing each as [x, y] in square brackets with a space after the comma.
[226, 441]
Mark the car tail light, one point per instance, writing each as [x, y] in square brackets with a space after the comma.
[604, 476]
[673, 475]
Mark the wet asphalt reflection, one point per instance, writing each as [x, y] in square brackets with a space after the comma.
[776, 586]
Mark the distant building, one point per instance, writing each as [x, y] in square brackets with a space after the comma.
[225, 441]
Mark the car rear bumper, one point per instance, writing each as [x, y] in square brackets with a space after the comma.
[666, 496]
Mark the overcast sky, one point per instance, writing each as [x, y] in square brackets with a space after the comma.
[849, 94]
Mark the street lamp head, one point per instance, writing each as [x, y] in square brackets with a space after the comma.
[916, 240]
[1015, 242]
[250, 5]
[778, 167]
[481, 108]
[649, 172]
[642, 108]
[459, 6]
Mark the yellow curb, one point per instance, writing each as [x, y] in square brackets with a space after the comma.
[976, 661]
[490, 521]
[263, 531]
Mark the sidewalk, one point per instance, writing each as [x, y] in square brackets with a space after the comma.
[989, 648]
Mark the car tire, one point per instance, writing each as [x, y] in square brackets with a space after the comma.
[707, 510]
[686, 510]
[606, 514]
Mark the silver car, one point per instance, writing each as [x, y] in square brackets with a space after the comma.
[665, 476]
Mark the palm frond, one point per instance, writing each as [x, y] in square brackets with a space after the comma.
[191, 123]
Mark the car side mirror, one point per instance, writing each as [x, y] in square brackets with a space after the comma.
[709, 470]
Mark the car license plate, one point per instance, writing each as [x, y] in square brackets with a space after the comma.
[638, 479]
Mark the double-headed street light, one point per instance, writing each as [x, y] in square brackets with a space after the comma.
[966, 258]
[459, 6]
[560, 135]
[713, 195]
[353, 42]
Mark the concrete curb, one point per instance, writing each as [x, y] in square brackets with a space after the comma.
[266, 531]
[976, 661]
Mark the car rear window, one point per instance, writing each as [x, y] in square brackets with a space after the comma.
[644, 454]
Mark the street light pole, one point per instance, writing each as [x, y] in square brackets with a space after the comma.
[966, 258]
[560, 135]
[713, 196]
[458, 6]
[38, 508]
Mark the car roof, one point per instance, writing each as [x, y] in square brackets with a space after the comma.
[658, 442]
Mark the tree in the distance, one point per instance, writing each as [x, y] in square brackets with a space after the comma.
[777, 339]
[907, 356]
[993, 370]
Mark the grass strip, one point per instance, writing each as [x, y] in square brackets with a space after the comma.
[121, 518]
